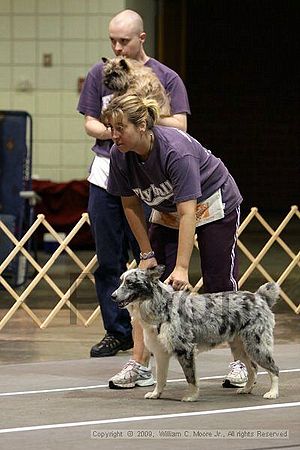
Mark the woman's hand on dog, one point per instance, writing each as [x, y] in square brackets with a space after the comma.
[179, 279]
[147, 263]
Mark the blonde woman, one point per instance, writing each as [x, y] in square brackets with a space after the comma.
[190, 191]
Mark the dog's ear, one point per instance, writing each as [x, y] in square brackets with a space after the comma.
[156, 272]
[105, 60]
[124, 65]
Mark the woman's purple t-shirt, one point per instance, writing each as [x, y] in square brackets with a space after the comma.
[178, 169]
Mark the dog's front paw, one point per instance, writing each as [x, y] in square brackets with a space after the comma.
[190, 398]
[271, 394]
[191, 394]
[154, 394]
[244, 390]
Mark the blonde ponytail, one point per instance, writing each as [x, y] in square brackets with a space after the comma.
[137, 109]
[152, 107]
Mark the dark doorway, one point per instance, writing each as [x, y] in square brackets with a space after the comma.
[239, 61]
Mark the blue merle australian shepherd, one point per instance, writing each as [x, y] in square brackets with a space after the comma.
[181, 323]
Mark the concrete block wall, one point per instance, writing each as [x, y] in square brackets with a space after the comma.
[74, 33]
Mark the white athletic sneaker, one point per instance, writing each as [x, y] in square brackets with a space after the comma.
[237, 376]
[133, 374]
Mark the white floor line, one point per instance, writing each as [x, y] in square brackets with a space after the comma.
[100, 386]
[143, 418]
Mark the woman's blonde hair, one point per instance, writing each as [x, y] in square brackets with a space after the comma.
[137, 110]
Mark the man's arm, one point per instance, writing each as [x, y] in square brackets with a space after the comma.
[176, 121]
[95, 128]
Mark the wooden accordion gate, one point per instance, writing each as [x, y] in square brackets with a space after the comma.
[85, 271]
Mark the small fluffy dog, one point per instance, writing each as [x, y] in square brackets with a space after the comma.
[179, 323]
[125, 75]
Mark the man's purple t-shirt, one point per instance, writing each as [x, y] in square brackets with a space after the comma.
[178, 169]
[95, 96]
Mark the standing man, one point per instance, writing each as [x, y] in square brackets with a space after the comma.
[109, 226]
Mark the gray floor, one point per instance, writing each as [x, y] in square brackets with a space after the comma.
[53, 396]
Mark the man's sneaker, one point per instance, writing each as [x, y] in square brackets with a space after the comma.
[237, 376]
[133, 374]
[110, 346]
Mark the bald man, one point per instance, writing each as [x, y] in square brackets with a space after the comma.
[108, 223]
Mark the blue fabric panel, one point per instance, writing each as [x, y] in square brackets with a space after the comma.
[15, 176]
[13, 153]
[6, 245]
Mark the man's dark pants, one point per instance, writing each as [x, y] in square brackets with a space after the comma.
[113, 238]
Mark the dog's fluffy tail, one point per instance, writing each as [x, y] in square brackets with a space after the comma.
[269, 292]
